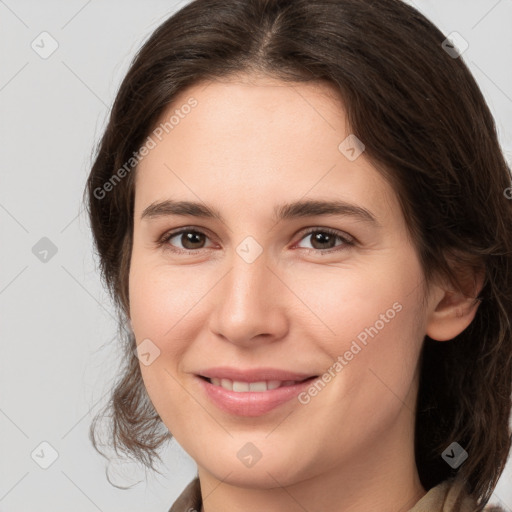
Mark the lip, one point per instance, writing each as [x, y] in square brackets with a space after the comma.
[252, 403]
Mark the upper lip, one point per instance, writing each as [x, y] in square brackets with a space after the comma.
[253, 374]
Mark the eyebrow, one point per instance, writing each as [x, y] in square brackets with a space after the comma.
[285, 211]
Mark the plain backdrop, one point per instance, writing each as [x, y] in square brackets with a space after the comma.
[58, 352]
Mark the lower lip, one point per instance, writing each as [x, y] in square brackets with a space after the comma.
[252, 403]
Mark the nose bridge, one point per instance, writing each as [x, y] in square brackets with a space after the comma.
[247, 286]
[247, 304]
[250, 271]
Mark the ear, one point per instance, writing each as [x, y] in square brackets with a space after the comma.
[453, 310]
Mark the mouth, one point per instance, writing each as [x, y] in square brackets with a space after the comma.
[251, 399]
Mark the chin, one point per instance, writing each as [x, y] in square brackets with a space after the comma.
[264, 474]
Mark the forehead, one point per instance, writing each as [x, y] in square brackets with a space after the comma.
[255, 138]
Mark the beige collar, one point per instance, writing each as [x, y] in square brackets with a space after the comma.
[441, 498]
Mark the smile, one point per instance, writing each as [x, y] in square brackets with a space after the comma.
[244, 387]
[255, 398]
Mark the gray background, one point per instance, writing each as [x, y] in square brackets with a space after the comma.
[58, 354]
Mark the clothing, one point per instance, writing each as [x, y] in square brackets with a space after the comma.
[441, 498]
[190, 499]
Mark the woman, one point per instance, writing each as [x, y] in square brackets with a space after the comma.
[300, 209]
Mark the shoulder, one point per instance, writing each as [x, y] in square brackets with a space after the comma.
[190, 499]
[458, 492]
[441, 498]
[451, 496]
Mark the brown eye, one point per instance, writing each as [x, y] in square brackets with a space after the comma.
[189, 240]
[321, 240]
[326, 239]
[192, 240]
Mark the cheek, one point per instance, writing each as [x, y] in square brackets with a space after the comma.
[372, 333]
[162, 297]
[372, 370]
[378, 301]
[379, 377]
[162, 302]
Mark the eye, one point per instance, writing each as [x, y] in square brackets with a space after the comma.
[324, 240]
[321, 240]
[190, 240]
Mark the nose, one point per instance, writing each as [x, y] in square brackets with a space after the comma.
[250, 303]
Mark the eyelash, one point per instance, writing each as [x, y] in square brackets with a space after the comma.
[347, 241]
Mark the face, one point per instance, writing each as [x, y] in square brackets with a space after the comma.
[312, 313]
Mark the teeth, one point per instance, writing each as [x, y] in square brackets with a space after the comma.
[240, 386]
[244, 387]
[226, 384]
[258, 386]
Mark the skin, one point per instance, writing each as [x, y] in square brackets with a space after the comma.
[251, 143]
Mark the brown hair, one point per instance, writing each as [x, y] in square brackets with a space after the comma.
[426, 127]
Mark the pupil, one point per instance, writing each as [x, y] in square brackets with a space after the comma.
[189, 239]
[322, 238]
